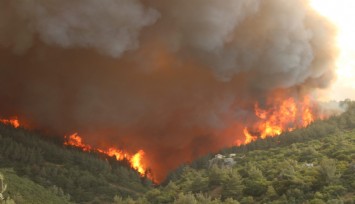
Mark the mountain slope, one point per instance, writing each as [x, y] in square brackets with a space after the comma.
[23, 190]
[86, 177]
[311, 165]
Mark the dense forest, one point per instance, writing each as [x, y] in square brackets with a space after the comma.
[310, 165]
[78, 176]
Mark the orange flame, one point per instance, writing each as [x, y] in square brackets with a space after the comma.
[134, 160]
[284, 116]
[248, 137]
[76, 140]
[14, 122]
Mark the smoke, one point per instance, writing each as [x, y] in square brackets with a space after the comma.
[176, 78]
[111, 26]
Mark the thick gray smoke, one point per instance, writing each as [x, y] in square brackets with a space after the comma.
[176, 78]
[111, 26]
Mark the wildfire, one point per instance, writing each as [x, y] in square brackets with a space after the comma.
[75, 140]
[14, 122]
[284, 116]
[135, 160]
[248, 137]
[279, 116]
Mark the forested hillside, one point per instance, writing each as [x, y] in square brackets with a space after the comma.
[23, 190]
[79, 176]
[312, 165]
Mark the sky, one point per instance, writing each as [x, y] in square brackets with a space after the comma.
[341, 13]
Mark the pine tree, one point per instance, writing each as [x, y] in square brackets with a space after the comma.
[233, 186]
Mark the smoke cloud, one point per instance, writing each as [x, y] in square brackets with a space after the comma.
[111, 26]
[176, 78]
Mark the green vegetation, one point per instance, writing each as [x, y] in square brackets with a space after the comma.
[84, 177]
[23, 190]
[314, 165]
[4, 199]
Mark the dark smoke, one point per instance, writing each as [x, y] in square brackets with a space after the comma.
[176, 78]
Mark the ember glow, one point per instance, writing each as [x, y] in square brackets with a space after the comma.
[14, 122]
[286, 115]
[135, 160]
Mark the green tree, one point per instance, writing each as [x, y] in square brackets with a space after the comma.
[119, 200]
[233, 186]
[255, 184]
[186, 199]
[231, 201]
[247, 200]
[216, 175]
[270, 193]
[328, 171]
[199, 183]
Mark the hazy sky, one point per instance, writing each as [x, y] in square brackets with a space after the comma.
[341, 13]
